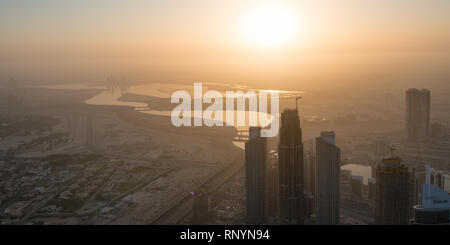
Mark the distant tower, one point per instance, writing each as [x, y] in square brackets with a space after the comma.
[392, 192]
[256, 174]
[418, 114]
[328, 157]
[290, 153]
[435, 206]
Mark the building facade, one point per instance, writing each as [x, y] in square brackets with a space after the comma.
[372, 185]
[272, 192]
[418, 114]
[312, 175]
[393, 201]
[256, 176]
[291, 183]
[201, 208]
[381, 147]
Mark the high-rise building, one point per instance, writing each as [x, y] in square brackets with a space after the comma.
[373, 171]
[256, 174]
[328, 157]
[392, 192]
[418, 114]
[435, 206]
[290, 155]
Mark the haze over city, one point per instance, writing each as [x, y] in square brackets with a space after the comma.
[329, 43]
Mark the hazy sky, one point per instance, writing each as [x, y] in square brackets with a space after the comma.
[205, 40]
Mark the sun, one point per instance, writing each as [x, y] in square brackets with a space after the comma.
[270, 26]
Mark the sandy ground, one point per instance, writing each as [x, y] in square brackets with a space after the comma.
[120, 130]
[122, 133]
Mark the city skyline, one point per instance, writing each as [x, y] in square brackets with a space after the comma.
[245, 118]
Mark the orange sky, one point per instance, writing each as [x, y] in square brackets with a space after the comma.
[200, 40]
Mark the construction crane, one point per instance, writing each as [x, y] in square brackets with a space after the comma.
[292, 97]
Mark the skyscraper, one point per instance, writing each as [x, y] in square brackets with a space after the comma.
[328, 157]
[272, 192]
[290, 155]
[417, 114]
[256, 174]
[392, 192]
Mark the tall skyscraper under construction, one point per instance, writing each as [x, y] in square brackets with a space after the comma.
[256, 176]
[328, 159]
[290, 155]
[418, 114]
[392, 192]
[201, 206]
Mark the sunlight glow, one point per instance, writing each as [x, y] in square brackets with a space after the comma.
[270, 26]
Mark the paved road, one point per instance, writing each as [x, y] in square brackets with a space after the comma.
[182, 207]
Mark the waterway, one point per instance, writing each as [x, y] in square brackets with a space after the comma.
[110, 96]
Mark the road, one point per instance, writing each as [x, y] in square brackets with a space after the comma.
[182, 206]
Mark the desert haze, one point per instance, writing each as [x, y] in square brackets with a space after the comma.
[86, 91]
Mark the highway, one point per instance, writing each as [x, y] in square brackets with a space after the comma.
[179, 209]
